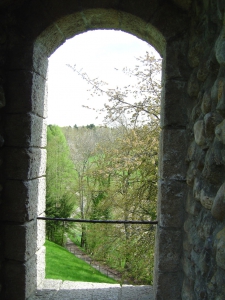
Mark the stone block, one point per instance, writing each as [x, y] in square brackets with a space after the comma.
[23, 200]
[195, 112]
[195, 52]
[217, 89]
[188, 289]
[174, 104]
[20, 56]
[169, 21]
[138, 27]
[168, 250]
[168, 285]
[40, 257]
[187, 246]
[195, 155]
[218, 207]
[40, 232]
[26, 92]
[31, 131]
[49, 40]
[191, 173]
[20, 241]
[188, 268]
[198, 183]
[20, 279]
[220, 132]
[192, 206]
[193, 85]
[28, 57]
[41, 193]
[25, 163]
[220, 48]
[221, 103]
[173, 149]
[206, 102]
[203, 70]
[211, 120]
[206, 198]
[206, 224]
[52, 284]
[176, 50]
[214, 169]
[220, 249]
[199, 134]
[67, 25]
[171, 198]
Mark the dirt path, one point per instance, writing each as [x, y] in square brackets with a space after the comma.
[95, 264]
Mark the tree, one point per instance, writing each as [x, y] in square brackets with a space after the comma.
[129, 165]
[130, 169]
[82, 144]
[60, 182]
[140, 101]
[90, 126]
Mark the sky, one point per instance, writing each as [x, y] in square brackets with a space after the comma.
[98, 53]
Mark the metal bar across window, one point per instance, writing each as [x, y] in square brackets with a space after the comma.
[97, 221]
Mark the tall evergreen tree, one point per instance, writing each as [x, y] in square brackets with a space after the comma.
[60, 179]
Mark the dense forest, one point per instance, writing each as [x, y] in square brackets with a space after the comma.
[110, 173]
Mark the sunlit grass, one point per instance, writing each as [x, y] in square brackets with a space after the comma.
[61, 264]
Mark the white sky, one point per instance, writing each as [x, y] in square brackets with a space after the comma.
[98, 53]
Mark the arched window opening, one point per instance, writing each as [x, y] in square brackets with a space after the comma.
[104, 166]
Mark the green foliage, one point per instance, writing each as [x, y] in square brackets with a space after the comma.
[121, 171]
[90, 126]
[61, 264]
[131, 165]
[60, 178]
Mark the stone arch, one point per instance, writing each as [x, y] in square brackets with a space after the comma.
[43, 30]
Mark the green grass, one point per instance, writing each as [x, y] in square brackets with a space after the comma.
[61, 264]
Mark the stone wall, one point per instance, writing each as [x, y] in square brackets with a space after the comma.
[23, 113]
[204, 228]
[24, 184]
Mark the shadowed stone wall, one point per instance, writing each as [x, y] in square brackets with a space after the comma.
[190, 36]
[204, 228]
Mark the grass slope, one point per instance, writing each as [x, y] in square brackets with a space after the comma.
[61, 264]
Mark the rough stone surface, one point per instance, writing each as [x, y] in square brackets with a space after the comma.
[31, 131]
[22, 97]
[91, 291]
[21, 277]
[29, 200]
[171, 240]
[174, 112]
[220, 249]
[164, 288]
[40, 232]
[40, 257]
[220, 132]
[199, 133]
[171, 198]
[31, 165]
[173, 150]
[17, 237]
[218, 207]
